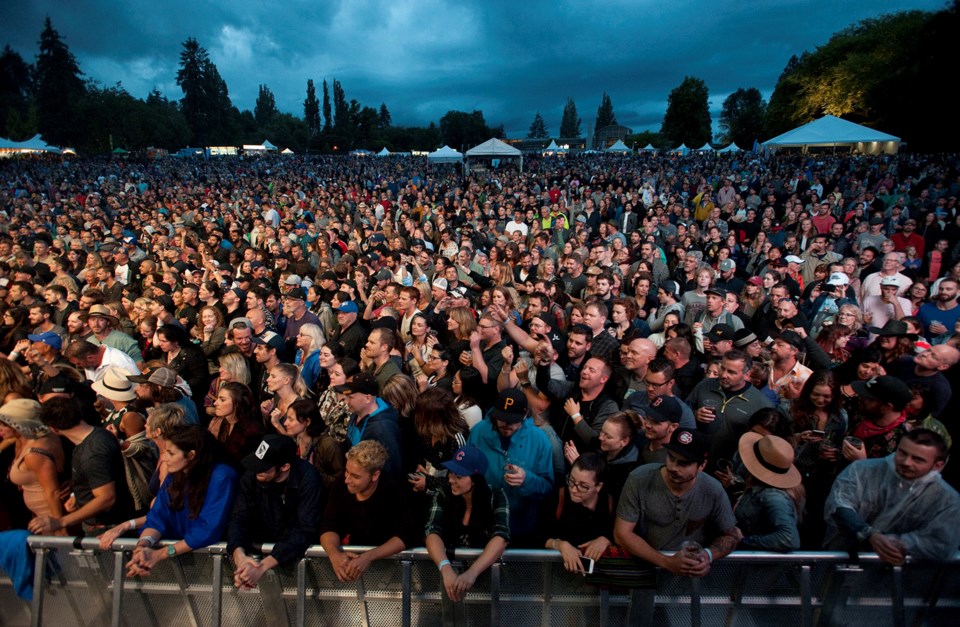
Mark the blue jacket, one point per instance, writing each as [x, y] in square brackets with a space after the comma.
[528, 448]
[208, 527]
[383, 425]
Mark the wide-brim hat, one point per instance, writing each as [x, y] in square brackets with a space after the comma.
[769, 459]
[22, 415]
[115, 385]
[893, 328]
[99, 311]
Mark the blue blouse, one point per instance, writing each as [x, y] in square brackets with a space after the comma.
[209, 526]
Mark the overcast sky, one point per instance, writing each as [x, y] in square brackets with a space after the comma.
[424, 57]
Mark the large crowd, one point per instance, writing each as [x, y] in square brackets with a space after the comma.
[635, 361]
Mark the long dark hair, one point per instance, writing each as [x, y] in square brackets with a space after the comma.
[189, 486]
[802, 410]
[244, 405]
[481, 516]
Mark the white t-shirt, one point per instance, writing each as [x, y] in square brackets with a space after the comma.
[111, 357]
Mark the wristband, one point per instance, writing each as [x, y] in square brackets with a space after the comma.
[442, 564]
[577, 415]
[133, 524]
[556, 544]
[709, 554]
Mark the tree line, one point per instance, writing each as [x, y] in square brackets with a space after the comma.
[880, 72]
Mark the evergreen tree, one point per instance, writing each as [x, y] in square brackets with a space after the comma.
[570, 124]
[59, 89]
[206, 100]
[311, 109]
[15, 92]
[341, 110]
[688, 114]
[266, 106]
[538, 129]
[605, 115]
[383, 117]
[327, 114]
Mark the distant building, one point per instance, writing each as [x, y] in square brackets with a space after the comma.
[608, 136]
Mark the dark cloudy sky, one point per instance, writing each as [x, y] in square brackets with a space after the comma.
[424, 57]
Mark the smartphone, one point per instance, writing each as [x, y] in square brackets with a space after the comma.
[587, 564]
[413, 476]
[818, 432]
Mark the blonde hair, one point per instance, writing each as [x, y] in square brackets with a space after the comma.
[370, 454]
[165, 417]
[236, 365]
[466, 323]
[296, 381]
[316, 337]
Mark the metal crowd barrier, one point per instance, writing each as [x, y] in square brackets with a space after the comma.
[77, 584]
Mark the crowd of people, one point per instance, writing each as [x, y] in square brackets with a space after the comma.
[630, 360]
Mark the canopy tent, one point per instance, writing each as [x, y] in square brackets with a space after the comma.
[445, 155]
[287, 151]
[554, 149]
[383, 152]
[648, 148]
[682, 149]
[494, 150]
[705, 148]
[731, 148]
[833, 132]
[360, 152]
[265, 146]
[9, 147]
[619, 146]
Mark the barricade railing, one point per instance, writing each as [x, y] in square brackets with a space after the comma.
[77, 583]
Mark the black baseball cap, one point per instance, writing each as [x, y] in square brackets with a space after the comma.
[511, 406]
[689, 444]
[885, 389]
[274, 450]
[360, 383]
[721, 332]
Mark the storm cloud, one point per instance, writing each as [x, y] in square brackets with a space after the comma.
[425, 57]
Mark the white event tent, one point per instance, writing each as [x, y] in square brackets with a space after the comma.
[618, 147]
[833, 132]
[445, 155]
[493, 148]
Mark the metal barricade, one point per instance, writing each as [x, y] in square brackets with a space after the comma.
[527, 587]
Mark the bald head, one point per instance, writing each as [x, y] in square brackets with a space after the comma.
[637, 354]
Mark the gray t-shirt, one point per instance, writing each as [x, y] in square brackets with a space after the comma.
[664, 520]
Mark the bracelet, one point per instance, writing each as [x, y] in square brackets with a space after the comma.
[709, 554]
[133, 524]
[150, 540]
[577, 415]
[442, 564]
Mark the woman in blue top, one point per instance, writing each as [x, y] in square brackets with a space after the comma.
[309, 342]
[194, 502]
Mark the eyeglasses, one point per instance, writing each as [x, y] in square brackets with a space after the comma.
[488, 326]
[579, 487]
[654, 384]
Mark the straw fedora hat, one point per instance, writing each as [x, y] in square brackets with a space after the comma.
[769, 459]
[100, 311]
[115, 385]
[22, 415]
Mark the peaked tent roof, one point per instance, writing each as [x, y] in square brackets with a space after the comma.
[731, 148]
[705, 147]
[682, 149]
[648, 148]
[383, 152]
[830, 131]
[35, 143]
[493, 147]
[267, 145]
[618, 147]
[553, 146]
[445, 155]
